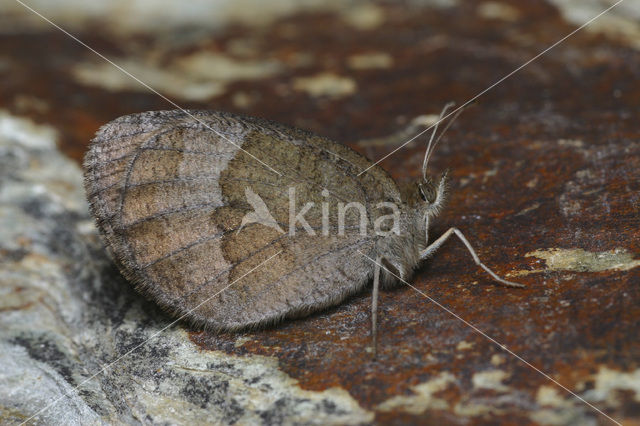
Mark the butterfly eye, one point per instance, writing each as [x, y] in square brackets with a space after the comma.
[422, 194]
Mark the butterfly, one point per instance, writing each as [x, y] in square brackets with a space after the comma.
[236, 222]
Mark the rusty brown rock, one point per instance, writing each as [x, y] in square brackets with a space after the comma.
[545, 164]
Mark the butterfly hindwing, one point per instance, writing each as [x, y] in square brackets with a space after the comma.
[170, 194]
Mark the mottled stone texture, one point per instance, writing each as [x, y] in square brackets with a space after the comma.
[66, 314]
[545, 183]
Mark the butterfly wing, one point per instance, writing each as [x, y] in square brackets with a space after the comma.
[169, 194]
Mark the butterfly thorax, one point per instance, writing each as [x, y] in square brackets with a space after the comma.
[400, 252]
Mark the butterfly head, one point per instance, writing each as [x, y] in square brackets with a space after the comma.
[432, 194]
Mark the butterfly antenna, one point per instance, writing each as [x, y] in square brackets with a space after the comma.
[433, 147]
[433, 134]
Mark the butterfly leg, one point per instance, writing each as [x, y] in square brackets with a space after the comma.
[374, 307]
[433, 247]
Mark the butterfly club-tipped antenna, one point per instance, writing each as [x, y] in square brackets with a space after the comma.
[433, 141]
[433, 134]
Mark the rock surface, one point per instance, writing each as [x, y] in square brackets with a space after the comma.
[67, 316]
[545, 185]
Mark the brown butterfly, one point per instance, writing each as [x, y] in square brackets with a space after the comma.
[237, 222]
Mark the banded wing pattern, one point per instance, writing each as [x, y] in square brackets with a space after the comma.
[169, 197]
